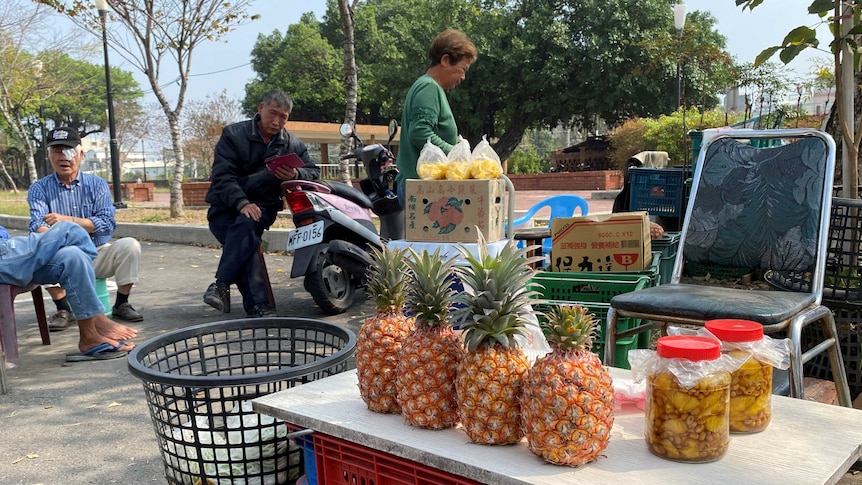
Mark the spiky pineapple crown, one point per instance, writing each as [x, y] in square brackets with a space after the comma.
[387, 279]
[570, 327]
[429, 288]
[492, 306]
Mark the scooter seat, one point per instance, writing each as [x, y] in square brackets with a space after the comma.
[350, 193]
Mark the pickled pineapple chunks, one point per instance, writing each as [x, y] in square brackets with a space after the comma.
[750, 392]
[688, 424]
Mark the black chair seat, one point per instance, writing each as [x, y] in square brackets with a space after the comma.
[709, 302]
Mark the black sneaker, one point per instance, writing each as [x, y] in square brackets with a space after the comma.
[260, 311]
[218, 297]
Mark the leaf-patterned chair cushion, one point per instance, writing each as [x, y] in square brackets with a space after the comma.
[758, 207]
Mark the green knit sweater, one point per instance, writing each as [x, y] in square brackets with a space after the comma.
[427, 116]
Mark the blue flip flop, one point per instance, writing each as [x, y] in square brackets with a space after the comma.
[103, 351]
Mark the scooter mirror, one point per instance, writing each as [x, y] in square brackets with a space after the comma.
[346, 129]
[393, 129]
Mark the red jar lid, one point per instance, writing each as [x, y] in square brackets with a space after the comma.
[730, 330]
[689, 347]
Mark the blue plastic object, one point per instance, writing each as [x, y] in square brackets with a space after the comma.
[563, 205]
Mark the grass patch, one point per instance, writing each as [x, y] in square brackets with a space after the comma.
[16, 205]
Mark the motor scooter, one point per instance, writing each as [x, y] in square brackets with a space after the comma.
[335, 232]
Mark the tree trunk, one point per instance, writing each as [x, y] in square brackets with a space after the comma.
[179, 165]
[350, 82]
[8, 177]
[833, 127]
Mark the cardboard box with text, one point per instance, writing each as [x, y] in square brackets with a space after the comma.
[601, 242]
[451, 210]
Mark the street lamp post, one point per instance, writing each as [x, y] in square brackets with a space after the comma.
[144, 159]
[102, 7]
[678, 24]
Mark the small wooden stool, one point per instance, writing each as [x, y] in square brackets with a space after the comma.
[269, 295]
[533, 236]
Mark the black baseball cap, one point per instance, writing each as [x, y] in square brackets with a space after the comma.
[64, 136]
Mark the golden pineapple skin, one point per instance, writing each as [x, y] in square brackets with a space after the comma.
[425, 377]
[378, 343]
[567, 407]
[488, 386]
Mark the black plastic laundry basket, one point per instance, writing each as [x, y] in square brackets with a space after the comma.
[199, 383]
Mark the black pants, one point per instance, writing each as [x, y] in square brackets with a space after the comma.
[239, 264]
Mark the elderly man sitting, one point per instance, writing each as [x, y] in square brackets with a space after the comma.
[71, 195]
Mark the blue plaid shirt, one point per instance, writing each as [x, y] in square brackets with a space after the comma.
[88, 197]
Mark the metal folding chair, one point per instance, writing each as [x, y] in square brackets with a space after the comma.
[759, 208]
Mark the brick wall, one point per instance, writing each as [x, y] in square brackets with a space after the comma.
[591, 180]
[194, 194]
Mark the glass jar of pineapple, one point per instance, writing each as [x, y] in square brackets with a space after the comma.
[688, 396]
[751, 383]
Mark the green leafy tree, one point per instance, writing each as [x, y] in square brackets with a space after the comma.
[302, 63]
[541, 64]
[843, 19]
[158, 36]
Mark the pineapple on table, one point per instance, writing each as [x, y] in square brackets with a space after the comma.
[430, 354]
[567, 401]
[380, 337]
[493, 310]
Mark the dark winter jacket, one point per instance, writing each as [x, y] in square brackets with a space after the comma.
[239, 173]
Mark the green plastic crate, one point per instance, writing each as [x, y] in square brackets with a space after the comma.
[594, 291]
[667, 245]
[600, 310]
[586, 287]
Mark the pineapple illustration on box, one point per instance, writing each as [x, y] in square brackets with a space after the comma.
[454, 210]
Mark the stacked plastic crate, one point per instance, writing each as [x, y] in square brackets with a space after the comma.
[594, 290]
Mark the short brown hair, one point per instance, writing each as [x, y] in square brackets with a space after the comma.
[452, 42]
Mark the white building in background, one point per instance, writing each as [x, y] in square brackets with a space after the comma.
[96, 154]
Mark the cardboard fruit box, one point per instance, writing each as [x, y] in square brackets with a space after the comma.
[451, 210]
[601, 242]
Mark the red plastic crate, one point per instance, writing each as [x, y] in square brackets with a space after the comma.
[342, 462]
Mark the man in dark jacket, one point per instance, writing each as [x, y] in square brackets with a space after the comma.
[245, 198]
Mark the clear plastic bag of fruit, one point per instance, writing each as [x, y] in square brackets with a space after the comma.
[688, 397]
[486, 163]
[432, 162]
[532, 341]
[459, 161]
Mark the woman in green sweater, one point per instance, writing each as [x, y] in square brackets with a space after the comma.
[427, 115]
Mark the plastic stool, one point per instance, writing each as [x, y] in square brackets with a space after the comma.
[102, 293]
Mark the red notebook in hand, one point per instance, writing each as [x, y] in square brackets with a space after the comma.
[291, 160]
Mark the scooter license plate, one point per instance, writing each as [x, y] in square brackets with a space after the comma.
[305, 236]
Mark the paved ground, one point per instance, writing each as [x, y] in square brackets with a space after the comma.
[87, 423]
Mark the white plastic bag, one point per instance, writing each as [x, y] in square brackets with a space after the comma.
[459, 161]
[534, 344]
[486, 163]
[432, 162]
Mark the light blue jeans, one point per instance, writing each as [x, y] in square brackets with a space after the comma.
[63, 254]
